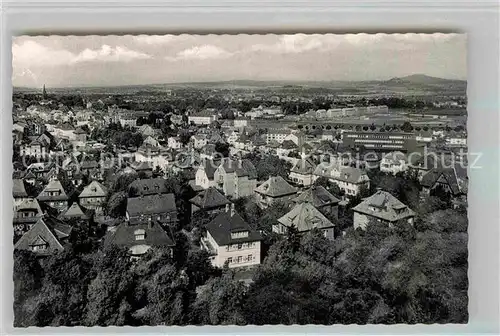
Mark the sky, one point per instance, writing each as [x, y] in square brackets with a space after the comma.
[62, 61]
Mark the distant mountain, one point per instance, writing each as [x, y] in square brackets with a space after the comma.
[422, 79]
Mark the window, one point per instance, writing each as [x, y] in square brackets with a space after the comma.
[140, 234]
[240, 246]
[249, 257]
[229, 260]
[40, 247]
[239, 259]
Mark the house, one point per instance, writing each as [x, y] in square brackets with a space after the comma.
[208, 152]
[394, 162]
[199, 141]
[140, 237]
[26, 214]
[80, 135]
[298, 138]
[174, 143]
[39, 147]
[93, 197]
[54, 195]
[304, 217]
[144, 168]
[321, 199]
[236, 178]
[229, 239]
[159, 208]
[275, 189]
[151, 186]
[381, 207]
[90, 168]
[155, 156]
[204, 117]
[205, 174]
[127, 119]
[147, 131]
[151, 141]
[444, 179]
[421, 164]
[302, 172]
[48, 236]
[210, 200]
[349, 179]
[286, 147]
[64, 131]
[19, 192]
[75, 211]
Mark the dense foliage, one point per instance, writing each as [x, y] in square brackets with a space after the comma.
[381, 275]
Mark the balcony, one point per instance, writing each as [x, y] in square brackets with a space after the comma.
[205, 244]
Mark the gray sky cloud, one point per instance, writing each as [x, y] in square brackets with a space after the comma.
[144, 59]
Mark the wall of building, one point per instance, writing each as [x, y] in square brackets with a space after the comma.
[360, 220]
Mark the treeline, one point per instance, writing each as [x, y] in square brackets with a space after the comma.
[406, 275]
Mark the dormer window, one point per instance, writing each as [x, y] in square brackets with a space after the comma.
[139, 234]
[239, 234]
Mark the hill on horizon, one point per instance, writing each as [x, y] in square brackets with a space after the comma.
[415, 79]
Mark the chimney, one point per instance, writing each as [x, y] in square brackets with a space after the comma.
[150, 223]
[228, 207]
[232, 209]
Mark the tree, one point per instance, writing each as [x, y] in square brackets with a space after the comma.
[107, 295]
[117, 204]
[222, 148]
[184, 136]
[407, 127]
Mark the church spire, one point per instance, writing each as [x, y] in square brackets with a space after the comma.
[44, 92]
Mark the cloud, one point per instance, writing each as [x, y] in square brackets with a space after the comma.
[154, 39]
[203, 52]
[34, 54]
[299, 43]
[109, 54]
[31, 53]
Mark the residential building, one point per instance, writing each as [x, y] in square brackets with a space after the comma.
[381, 207]
[304, 217]
[54, 195]
[210, 201]
[19, 192]
[75, 211]
[236, 178]
[302, 172]
[46, 237]
[349, 179]
[144, 187]
[174, 143]
[141, 236]
[26, 214]
[286, 147]
[321, 199]
[39, 147]
[441, 179]
[93, 197]
[146, 131]
[159, 208]
[229, 239]
[143, 168]
[199, 141]
[394, 162]
[275, 189]
[127, 119]
[205, 174]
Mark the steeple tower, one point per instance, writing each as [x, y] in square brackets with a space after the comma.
[44, 93]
